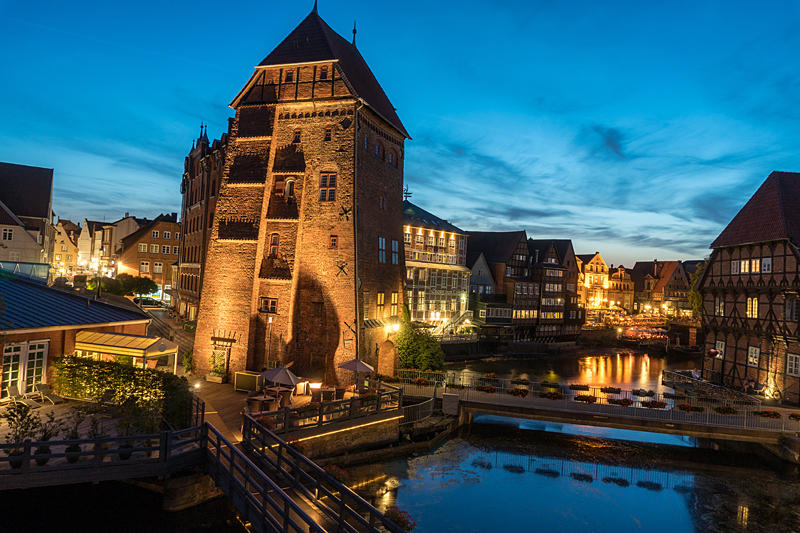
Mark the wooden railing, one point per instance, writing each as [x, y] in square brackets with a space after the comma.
[287, 420]
[346, 509]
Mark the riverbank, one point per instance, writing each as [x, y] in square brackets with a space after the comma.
[566, 352]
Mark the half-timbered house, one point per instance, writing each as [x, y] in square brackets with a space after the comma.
[750, 293]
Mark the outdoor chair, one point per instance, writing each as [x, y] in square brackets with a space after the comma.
[115, 409]
[316, 395]
[339, 394]
[16, 397]
[44, 391]
[103, 402]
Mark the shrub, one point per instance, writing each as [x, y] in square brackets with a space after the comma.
[767, 414]
[187, 361]
[416, 347]
[400, 517]
[389, 379]
[686, 408]
[654, 404]
[421, 382]
[485, 388]
[518, 393]
[551, 395]
[337, 473]
[794, 416]
[624, 402]
[726, 410]
[587, 398]
[298, 445]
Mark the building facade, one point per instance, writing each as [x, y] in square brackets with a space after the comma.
[202, 176]
[304, 263]
[555, 269]
[437, 278]
[661, 287]
[65, 255]
[26, 214]
[751, 288]
[150, 251]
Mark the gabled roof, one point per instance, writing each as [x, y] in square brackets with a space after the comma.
[92, 226]
[136, 235]
[587, 258]
[690, 267]
[563, 247]
[496, 246]
[771, 214]
[312, 41]
[418, 217]
[664, 272]
[32, 305]
[659, 270]
[543, 245]
[68, 225]
[8, 218]
[27, 191]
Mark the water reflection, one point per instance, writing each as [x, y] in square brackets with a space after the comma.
[624, 369]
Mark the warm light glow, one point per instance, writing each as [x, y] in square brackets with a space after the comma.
[196, 385]
[350, 428]
[395, 327]
[315, 385]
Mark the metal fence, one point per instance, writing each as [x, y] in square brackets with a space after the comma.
[344, 508]
[417, 412]
[685, 381]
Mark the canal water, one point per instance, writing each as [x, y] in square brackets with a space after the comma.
[505, 474]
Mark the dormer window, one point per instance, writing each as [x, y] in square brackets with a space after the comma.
[323, 73]
[296, 136]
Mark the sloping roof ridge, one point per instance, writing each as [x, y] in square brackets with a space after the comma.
[11, 214]
[133, 237]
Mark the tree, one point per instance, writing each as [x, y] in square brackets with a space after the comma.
[124, 285]
[695, 298]
[417, 348]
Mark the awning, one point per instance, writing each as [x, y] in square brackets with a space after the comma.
[123, 344]
[381, 322]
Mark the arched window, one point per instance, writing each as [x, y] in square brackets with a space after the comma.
[273, 245]
[290, 187]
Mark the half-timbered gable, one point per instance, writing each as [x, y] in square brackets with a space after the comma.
[750, 293]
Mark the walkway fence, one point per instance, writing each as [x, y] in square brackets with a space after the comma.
[658, 407]
[685, 381]
[342, 506]
[287, 420]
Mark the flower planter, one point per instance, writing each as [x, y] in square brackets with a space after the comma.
[124, 451]
[623, 402]
[585, 398]
[610, 390]
[485, 388]
[15, 459]
[655, 404]
[579, 387]
[726, 410]
[73, 453]
[41, 461]
[551, 395]
[518, 393]
[215, 379]
[643, 393]
[549, 385]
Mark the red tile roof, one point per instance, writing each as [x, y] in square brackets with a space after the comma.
[771, 214]
[313, 40]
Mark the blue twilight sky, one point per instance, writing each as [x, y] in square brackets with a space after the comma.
[634, 128]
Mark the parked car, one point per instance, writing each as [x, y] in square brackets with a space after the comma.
[147, 302]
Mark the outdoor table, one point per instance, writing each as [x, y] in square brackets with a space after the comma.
[327, 394]
[264, 399]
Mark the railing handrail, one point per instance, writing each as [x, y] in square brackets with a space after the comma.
[681, 377]
[301, 465]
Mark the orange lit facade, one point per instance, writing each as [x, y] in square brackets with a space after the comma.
[150, 251]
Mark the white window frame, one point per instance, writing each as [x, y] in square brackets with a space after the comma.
[8, 234]
[793, 364]
[752, 307]
[26, 349]
[720, 348]
[766, 265]
[734, 267]
[166, 235]
[153, 248]
[755, 266]
[753, 355]
[14, 257]
[165, 249]
[175, 250]
[158, 268]
[155, 234]
[144, 266]
[142, 248]
[744, 267]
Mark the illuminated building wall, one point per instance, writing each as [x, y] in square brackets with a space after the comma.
[150, 251]
[305, 245]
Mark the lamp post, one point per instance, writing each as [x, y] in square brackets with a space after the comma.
[269, 340]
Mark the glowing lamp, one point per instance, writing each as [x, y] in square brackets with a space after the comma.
[395, 327]
[315, 385]
[713, 353]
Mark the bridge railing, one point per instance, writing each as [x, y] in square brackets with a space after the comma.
[417, 412]
[672, 379]
[287, 420]
[656, 407]
[348, 510]
[740, 401]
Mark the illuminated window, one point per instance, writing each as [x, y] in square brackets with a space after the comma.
[323, 73]
[273, 245]
[269, 305]
[431, 240]
[142, 247]
[155, 235]
[407, 238]
[144, 266]
[745, 266]
[153, 248]
[394, 304]
[381, 250]
[420, 239]
[752, 308]
[753, 355]
[755, 266]
[328, 134]
[158, 268]
[334, 242]
[719, 306]
[327, 187]
[296, 136]
[365, 299]
[380, 304]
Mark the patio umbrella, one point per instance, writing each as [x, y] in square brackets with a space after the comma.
[281, 375]
[356, 365]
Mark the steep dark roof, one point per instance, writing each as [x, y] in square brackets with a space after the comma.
[8, 218]
[562, 248]
[639, 271]
[417, 217]
[131, 239]
[771, 214]
[543, 245]
[31, 304]
[496, 246]
[93, 225]
[313, 40]
[27, 191]
[690, 267]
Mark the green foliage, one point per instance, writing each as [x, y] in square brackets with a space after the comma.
[79, 377]
[124, 285]
[22, 424]
[187, 361]
[417, 348]
[694, 297]
[50, 428]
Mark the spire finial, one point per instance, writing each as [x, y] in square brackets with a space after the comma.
[315, 7]
[354, 33]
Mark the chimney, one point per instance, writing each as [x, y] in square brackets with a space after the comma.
[175, 216]
[127, 215]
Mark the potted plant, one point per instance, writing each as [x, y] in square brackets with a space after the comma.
[22, 424]
[518, 393]
[47, 430]
[422, 382]
[490, 375]
[485, 388]
[400, 517]
[149, 422]
[654, 404]
[455, 386]
[578, 386]
[610, 390]
[73, 422]
[726, 410]
[339, 474]
[298, 445]
[554, 395]
[687, 408]
[794, 416]
[767, 414]
[585, 398]
[97, 430]
[624, 402]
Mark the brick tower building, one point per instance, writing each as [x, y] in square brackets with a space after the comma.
[304, 263]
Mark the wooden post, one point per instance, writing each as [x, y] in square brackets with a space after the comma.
[26, 457]
[320, 415]
[352, 407]
[98, 451]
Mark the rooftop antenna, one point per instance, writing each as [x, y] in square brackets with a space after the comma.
[315, 7]
[406, 193]
[354, 33]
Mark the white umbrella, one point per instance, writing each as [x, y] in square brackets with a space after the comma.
[281, 375]
[356, 365]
